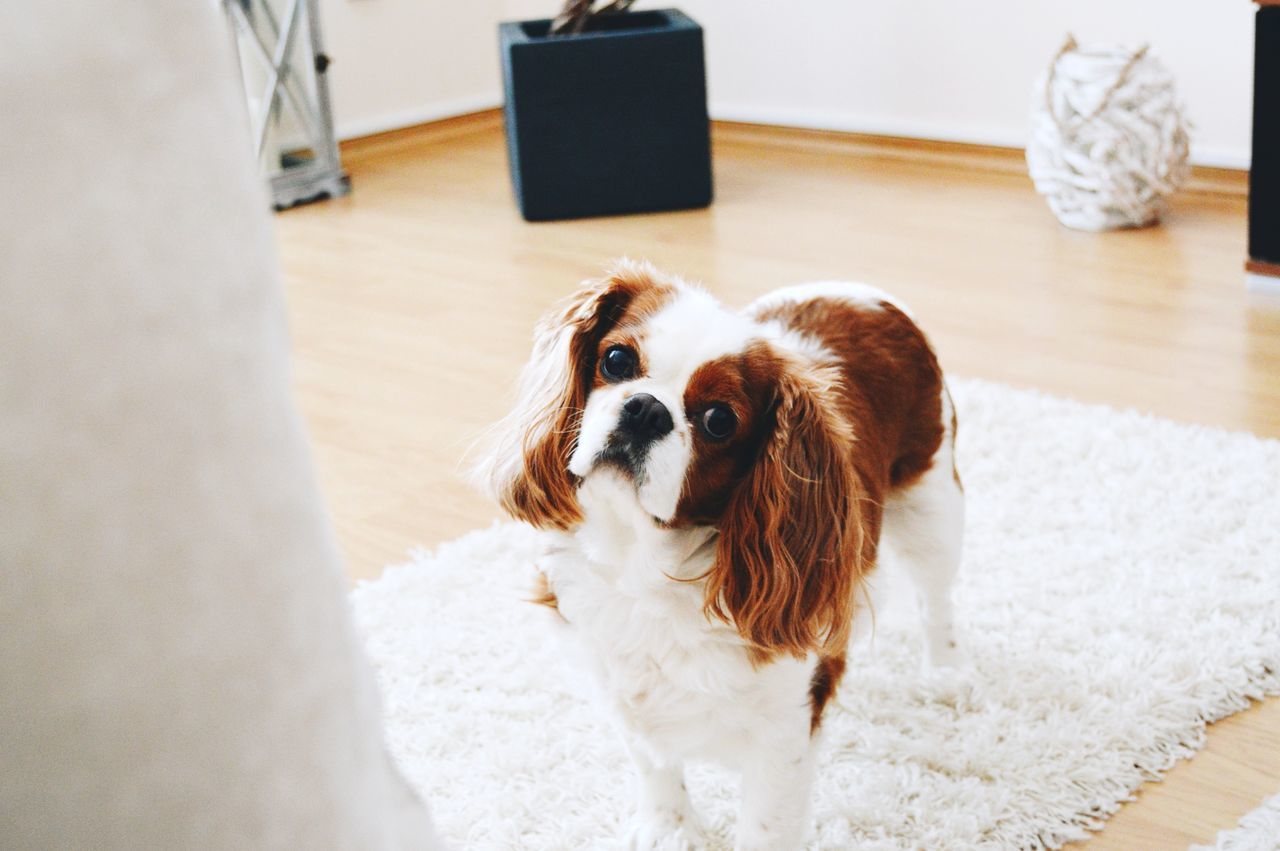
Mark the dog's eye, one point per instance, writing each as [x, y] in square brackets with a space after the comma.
[618, 363]
[718, 422]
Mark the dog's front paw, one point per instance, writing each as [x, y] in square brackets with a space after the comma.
[944, 656]
[668, 831]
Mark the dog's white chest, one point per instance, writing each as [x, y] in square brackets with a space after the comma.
[683, 682]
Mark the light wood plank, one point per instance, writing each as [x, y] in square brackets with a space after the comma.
[412, 302]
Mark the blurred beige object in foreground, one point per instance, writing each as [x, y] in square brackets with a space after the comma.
[179, 668]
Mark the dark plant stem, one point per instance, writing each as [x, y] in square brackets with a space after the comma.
[574, 16]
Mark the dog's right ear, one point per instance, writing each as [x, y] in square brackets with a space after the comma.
[526, 466]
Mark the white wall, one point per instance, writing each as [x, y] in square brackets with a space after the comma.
[403, 62]
[964, 70]
[930, 68]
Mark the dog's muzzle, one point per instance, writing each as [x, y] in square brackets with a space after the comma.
[642, 422]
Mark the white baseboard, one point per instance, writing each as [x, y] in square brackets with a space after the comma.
[851, 122]
[808, 119]
[1220, 157]
[1264, 285]
[369, 125]
[848, 122]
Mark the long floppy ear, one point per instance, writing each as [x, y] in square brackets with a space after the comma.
[526, 467]
[792, 544]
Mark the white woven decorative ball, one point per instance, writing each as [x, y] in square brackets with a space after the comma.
[1108, 138]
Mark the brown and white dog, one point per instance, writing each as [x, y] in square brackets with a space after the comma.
[723, 482]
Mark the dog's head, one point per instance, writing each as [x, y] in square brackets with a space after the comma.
[709, 422]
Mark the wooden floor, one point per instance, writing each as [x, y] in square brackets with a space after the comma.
[412, 301]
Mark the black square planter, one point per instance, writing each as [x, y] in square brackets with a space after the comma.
[1264, 175]
[612, 120]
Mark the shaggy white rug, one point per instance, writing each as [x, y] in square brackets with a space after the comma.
[1121, 588]
[1259, 830]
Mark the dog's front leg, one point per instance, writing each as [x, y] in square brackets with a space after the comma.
[777, 780]
[664, 819]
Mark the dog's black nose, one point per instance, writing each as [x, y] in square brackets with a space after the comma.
[644, 418]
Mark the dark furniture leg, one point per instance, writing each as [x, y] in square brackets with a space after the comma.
[1264, 175]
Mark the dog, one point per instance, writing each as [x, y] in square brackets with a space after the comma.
[720, 484]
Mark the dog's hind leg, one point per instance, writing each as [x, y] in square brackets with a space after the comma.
[924, 531]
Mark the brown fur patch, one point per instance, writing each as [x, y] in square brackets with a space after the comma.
[955, 425]
[745, 384]
[543, 595]
[891, 384]
[822, 685]
[801, 524]
[544, 492]
[652, 293]
[793, 541]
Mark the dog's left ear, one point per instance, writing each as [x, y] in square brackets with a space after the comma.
[792, 545]
[526, 467]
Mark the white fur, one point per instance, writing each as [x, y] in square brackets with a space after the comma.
[541, 379]
[923, 532]
[658, 484]
[681, 686]
[864, 295]
[629, 592]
